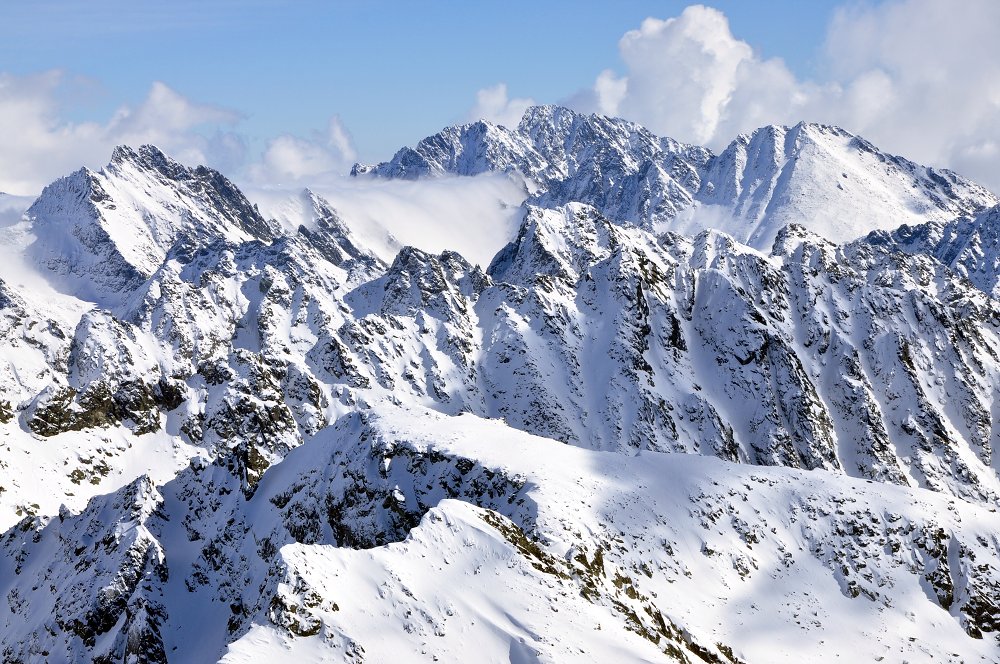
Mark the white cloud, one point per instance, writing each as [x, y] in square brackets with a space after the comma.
[918, 77]
[38, 145]
[494, 105]
[340, 141]
[433, 214]
[689, 78]
[685, 67]
[291, 159]
[938, 67]
[609, 92]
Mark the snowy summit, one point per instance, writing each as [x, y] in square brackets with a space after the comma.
[731, 408]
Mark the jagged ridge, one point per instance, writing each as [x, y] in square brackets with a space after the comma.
[837, 184]
[237, 350]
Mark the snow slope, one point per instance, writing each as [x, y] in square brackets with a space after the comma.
[824, 178]
[968, 245]
[834, 183]
[110, 230]
[231, 436]
[455, 538]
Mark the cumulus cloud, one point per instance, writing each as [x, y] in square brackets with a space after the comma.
[688, 77]
[493, 104]
[685, 67]
[918, 77]
[290, 159]
[38, 145]
[933, 74]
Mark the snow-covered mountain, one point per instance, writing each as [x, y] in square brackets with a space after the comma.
[111, 230]
[968, 245]
[834, 183]
[407, 534]
[235, 438]
[618, 166]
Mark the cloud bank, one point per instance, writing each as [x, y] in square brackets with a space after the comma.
[919, 78]
[433, 215]
[290, 159]
[38, 144]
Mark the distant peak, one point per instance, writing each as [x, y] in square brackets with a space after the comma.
[543, 110]
[482, 124]
[145, 152]
[148, 157]
[320, 206]
[414, 261]
[362, 169]
[409, 257]
[790, 138]
[794, 235]
[818, 129]
[798, 128]
[123, 153]
[481, 128]
[547, 113]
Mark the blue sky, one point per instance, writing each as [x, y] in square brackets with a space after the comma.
[292, 92]
[393, 71]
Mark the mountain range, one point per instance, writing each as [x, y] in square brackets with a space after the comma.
[735, 407]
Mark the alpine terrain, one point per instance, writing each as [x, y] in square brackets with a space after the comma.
[729, 408]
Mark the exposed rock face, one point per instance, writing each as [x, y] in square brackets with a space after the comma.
[320, 418]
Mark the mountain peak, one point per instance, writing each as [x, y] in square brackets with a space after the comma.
[146, 151]
[553, 125]
[124, 219]
[548, 113]
[836, 183]
[147, 157]
[328, 233]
